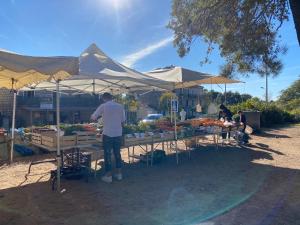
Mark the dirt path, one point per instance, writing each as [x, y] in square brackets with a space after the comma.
[258, 184]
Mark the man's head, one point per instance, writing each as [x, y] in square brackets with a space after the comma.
[222, 107]
[107, 97]
[240, 112]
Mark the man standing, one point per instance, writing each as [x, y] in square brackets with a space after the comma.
[113, 116]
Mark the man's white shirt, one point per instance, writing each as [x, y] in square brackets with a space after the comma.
[113, 115]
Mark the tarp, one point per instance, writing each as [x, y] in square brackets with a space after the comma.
[185, 78]
[17, 80]
[19, 71]
[178, 76]
[98, 73]
[45, 65]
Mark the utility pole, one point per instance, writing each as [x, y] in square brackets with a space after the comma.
[267, 97]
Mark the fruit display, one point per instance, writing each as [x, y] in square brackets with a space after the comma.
[205, 122]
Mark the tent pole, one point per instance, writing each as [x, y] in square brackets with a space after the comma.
[58, 135]
[13, 127]
[267, 97]
[225, 95]
[94, 86]
[171, 112]
[175, 127]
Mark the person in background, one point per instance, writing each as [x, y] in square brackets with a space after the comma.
[113, 116]
[221, 116]
[226, 112]
[227, 116]
[242, 121]
[182, 115]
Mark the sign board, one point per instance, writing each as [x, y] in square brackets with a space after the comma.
[174, 105]
[46, 99]
[46, 105]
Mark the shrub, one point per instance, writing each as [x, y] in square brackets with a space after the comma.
[271, 113]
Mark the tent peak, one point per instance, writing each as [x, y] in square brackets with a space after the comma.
[7, 51]
[93, 49]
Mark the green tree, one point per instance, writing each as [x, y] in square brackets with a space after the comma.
[291, 93]
[246, 32]
[231, 97]
[165, 101]
[290, 98]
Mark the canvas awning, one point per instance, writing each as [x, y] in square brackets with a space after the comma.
[19, 71]
[17, 80]
[212, 80]
[99, 73]
[178, 76]
[45, 65]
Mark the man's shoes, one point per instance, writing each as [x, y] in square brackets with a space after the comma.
[107, 179]
[118, 176]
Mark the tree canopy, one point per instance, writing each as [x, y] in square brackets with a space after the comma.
[246, 32]
[290, 98]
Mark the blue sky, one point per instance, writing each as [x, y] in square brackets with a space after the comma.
[130, 31]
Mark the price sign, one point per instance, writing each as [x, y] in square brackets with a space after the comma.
[174, 105]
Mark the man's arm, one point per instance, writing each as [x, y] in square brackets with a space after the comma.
[97, 113]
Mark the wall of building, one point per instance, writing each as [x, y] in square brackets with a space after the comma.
[6, 102]
[6, 106]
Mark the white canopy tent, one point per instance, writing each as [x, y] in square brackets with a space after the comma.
[179, 76]
[18, 71]
[215, 80]
[185, 78]
[98, 73]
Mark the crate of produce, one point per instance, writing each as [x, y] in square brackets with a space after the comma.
[36, 138]
[50, 140]
[86, 137]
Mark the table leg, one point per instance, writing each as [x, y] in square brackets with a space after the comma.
[152, 149]
[147, 157]
[128, 151]
[177, 154]
[133, 154]
[78, 156]
[62, 158]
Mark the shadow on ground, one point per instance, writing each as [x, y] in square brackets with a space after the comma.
[208, 185]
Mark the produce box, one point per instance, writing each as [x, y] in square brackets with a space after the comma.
[4, 153]
[50, 140]
[36, 138]
[85, 137]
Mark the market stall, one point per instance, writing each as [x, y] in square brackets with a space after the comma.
[97, 73]
[19, 71]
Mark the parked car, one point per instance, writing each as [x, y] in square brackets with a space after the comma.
[152, 117]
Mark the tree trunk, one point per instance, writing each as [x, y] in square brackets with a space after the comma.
[295, 7]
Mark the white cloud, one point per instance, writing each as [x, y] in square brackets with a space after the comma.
[133, 58]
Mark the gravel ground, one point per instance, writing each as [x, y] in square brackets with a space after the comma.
[255, 184]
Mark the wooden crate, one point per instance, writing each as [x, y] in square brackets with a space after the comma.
[85, 137]
[36, 138]
[50, 140]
